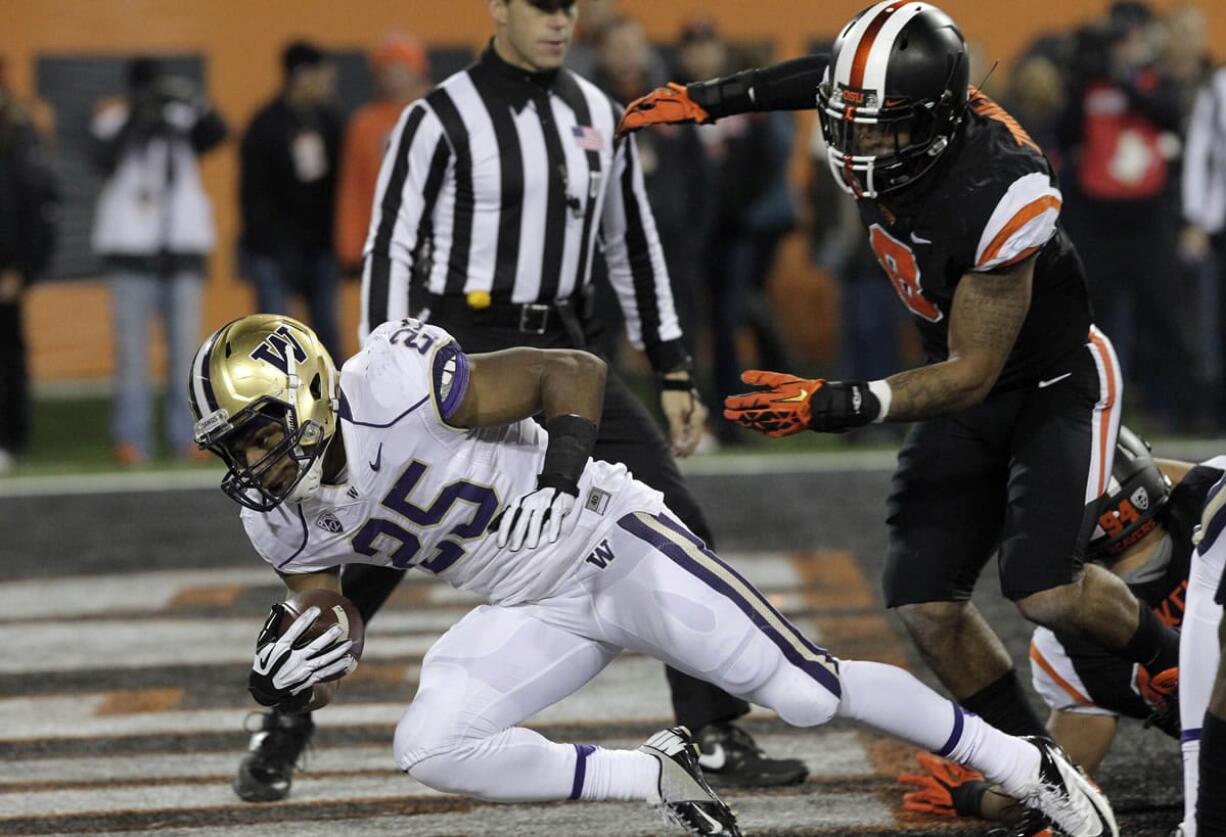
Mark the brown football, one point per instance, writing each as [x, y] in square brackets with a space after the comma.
[333, 609]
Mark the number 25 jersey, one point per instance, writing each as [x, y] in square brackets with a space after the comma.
[990, 203]
[421, 493]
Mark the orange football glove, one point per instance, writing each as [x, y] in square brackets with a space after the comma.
[780, 410]
[946, 789]
[663, 106]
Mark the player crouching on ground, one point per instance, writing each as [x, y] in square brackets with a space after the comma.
[1147, 524]
[418, 455]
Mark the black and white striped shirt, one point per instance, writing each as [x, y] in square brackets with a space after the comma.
[505, 182]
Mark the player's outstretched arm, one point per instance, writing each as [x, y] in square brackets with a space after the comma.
[790, 85]
[518, 383]
[988, 312]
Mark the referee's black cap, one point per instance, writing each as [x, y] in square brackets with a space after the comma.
[552, 5]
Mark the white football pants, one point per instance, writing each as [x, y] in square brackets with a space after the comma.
[1199, 653]
[651, 587]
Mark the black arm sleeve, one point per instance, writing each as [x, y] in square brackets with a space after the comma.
[790, 85]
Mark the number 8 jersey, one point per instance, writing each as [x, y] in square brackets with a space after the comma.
[421, 493]
[988, 204]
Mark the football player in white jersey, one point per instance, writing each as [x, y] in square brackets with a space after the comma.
[1202, 695]
[418, 455]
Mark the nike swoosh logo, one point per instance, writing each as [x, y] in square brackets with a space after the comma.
[919, 240]
[378, 463]
[715, 760]
[801, 396]
[1055, 380]
[718, 826]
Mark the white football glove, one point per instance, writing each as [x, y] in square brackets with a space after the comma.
[281, 671]
[534, 515]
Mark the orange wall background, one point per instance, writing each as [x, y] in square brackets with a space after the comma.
[68, 324]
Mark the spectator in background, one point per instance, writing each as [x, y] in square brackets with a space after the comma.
[153, 225]
[1185, 52]
[1036, 97]
[402, 75]
[28, 202]
[753, 208]
[288, 193]
[1119, 136]
[674, 171]
[1203, 240]
[584, 56]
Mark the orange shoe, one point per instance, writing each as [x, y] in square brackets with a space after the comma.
[128, 454]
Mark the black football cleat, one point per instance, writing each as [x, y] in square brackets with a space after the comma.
[267, 771]
[682, 794]
[730, 758]
[1063, 794]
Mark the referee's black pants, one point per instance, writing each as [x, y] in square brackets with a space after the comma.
[629, 435]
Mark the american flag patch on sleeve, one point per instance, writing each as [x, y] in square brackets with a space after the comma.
[588, 138]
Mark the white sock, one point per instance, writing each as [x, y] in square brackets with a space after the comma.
[1191, 784]
[615, 774]
[893, 701]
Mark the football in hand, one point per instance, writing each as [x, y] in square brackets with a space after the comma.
[334, 609]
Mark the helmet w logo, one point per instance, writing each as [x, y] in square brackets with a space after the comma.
[277, 349]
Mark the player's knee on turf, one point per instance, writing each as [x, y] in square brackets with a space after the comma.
[434, 753]
[432, 735]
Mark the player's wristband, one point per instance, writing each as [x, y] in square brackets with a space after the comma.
[571, 440]
[843, 405]
[885, 395]
[968, 797]
[261, 689]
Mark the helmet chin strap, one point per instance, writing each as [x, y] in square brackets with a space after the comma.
[309, 484]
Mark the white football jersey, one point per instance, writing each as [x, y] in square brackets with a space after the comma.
[421, 493]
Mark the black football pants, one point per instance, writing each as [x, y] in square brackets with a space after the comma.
[629, 435]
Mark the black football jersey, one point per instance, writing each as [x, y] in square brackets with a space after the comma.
[991, 202]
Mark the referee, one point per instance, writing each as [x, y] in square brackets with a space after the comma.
[497, 191]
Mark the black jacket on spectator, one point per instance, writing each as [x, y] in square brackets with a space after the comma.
[280, 210]
[28, 198]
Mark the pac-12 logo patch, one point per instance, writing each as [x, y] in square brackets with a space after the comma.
[329, 523]
[1140, 498]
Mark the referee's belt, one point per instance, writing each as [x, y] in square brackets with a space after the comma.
[526, 317]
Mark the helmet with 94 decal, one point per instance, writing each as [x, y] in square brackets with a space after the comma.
[893, 95]
[265, 383]
[1136, 496]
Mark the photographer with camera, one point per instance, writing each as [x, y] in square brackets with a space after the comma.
[153, 225]
[1119, 138]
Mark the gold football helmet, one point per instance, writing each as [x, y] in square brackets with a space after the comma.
[258, 371]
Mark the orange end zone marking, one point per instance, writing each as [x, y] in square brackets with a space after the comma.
[136, 701]
[220, 595]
